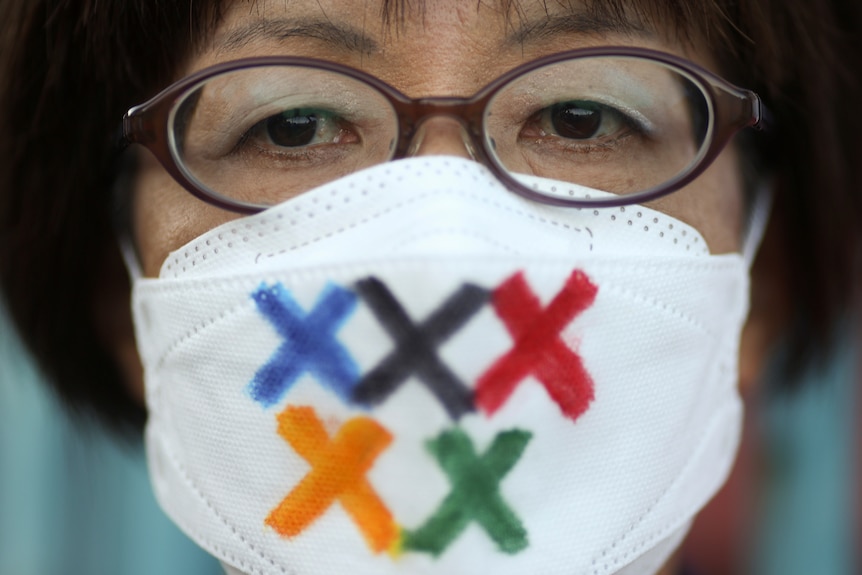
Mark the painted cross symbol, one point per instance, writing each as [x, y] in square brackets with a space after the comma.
[415, 352]
[338, 473]
[309, 343]
[475, 494]
[538, 349]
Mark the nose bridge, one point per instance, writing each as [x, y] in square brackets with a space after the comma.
[445, 126]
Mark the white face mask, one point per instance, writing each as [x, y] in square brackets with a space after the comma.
[413, 370]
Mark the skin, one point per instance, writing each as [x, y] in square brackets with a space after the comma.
[454, 48]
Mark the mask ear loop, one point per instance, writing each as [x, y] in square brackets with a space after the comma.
[130, 257]
[121, 196]
[758, 218]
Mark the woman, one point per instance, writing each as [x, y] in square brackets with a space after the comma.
[449, 287]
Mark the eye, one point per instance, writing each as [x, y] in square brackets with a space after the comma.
[298, 128]
[577, 120]
[291, 129]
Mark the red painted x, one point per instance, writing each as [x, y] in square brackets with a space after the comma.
[538, 349]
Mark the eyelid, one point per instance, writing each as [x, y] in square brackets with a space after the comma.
[253, 112]
[289, 88]
[231, 128]
[630, 113]
[643, 121]
[585, 82]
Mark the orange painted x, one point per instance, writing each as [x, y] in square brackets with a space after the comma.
[338, 473]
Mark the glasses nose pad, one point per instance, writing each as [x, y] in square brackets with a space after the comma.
[442, 136]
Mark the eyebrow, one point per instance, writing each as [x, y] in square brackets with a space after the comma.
[350, 39]
[574, 23]
[338, 35]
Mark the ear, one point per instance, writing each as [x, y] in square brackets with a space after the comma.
[112, 316]
[770, 308]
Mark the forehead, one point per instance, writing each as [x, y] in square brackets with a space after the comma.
[369, 28]
[398, 16]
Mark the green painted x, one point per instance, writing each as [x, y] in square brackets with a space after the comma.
[475, 494]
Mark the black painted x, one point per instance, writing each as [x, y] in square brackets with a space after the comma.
[416, 347]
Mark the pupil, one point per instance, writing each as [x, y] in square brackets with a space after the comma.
[292, 129]
[575, 121]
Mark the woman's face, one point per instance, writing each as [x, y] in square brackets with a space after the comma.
[449, 48]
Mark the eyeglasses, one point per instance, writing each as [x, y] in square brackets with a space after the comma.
[623, 125]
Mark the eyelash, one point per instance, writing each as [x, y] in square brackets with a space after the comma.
[541, 121]
[302, 152]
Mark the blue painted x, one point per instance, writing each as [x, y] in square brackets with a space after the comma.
[309, 343]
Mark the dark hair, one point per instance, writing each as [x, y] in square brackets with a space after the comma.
[70, 68]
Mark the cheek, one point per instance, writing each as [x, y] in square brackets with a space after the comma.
[166, 216]
[713, 204]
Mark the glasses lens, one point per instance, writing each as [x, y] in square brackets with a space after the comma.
[262, 135]
[611, 125]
